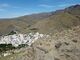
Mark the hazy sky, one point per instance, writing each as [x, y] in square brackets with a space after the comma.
[14, 8]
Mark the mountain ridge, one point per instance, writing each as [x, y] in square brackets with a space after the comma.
[43, 22]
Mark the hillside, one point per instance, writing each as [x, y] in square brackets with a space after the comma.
[57, 22]
[63, 45]
[43, 36]
[20, 24]
[43, 22]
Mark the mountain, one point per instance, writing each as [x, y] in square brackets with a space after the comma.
[59, 37]
[48, 23]
[21, 24]
[74, 10]
[63, 45]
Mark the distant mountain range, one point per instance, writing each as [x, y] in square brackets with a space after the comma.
[48, 23]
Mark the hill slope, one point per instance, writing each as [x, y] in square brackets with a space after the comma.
[63, 45]
[43, 22]
[57, 22]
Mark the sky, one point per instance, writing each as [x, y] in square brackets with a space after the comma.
[16, 8]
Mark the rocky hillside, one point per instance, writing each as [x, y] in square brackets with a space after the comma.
[43, 22]
[57, 37]
[63, 45]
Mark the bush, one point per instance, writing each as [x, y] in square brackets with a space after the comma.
[22, 45]
[6, 47]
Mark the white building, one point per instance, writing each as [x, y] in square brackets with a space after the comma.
[18, 39]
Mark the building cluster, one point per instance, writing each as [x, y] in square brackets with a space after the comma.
[17, 39]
